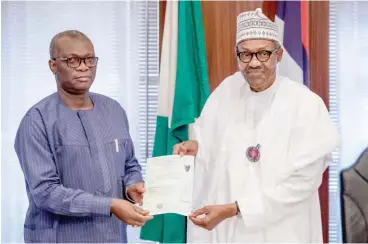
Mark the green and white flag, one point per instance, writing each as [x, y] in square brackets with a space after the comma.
[184, 88]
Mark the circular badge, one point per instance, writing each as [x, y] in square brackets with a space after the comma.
[253, 153]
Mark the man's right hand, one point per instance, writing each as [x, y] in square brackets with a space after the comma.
[129, 213]
[186, 148]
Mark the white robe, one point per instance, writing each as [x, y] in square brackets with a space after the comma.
[278, 195]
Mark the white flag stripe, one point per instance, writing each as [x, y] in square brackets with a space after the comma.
[168, 61]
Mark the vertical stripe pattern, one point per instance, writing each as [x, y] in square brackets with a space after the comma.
[73, 170]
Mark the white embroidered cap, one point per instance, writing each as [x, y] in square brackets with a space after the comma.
[255, 25]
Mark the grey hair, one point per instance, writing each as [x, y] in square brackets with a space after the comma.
[68, 33]
[278, 45]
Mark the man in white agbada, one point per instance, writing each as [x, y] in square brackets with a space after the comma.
[262, 144]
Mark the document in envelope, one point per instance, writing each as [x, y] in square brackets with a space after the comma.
[169, 185]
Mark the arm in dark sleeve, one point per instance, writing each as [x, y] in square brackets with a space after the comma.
[39, 168]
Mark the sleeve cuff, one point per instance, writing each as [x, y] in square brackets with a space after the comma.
[101, 206]
[133, 179]
[127, 196]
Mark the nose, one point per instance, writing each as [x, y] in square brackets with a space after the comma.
[254, 62]
[82, 66]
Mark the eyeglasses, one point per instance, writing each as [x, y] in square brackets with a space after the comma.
[262, 55]
[75, 62]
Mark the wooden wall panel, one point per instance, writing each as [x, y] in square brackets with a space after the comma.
[319, 48]
[319, 79]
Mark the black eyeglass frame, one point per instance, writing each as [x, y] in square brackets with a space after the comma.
[269, 53]
[68, 61]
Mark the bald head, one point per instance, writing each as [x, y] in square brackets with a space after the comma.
[71, 34]
[66, 50]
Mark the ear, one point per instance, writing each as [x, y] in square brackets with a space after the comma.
[280, 52]
[236, 50]
[52, 66]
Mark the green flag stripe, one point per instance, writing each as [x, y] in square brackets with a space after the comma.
[191, 92]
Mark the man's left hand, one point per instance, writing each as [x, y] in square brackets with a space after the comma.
[210, 216]
[135, 192]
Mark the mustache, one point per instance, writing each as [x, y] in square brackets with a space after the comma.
[254, 70]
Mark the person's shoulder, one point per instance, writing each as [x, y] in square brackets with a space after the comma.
[33, 116]
[48, 103]
[105, 100]
[33, 124]
[233, 81]
[229, 85]
[299, 92]
[360, 166]
[224, 94]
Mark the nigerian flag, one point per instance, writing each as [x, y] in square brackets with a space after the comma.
[184, 89]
